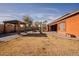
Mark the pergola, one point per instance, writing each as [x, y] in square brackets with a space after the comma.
[15, 22]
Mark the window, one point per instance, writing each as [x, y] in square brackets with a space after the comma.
[62, 26]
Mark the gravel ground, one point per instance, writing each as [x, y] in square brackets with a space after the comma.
[39, 45]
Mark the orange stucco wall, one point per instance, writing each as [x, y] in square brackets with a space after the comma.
[48, 27]
[58, 27]
[72, 25]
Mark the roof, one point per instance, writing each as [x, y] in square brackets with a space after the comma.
[14, 22]
[65, 16]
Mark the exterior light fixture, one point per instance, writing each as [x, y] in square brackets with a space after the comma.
[21, 25]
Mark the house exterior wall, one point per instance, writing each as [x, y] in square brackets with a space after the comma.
[21, 28]
[58, 26]
[72, 25]
[48, 28]
[61, 28]
[1, 28]
[10, 28]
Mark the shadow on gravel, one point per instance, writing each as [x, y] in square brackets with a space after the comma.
[6, 34]
[35, 35]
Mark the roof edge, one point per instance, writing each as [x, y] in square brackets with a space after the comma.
[65, 16]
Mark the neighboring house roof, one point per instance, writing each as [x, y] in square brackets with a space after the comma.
[65, 16]
[14, 22]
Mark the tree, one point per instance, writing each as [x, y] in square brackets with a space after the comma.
[44, 25]
[39, 26]
[27, 21]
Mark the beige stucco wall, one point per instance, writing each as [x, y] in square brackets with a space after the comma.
[1, 28]
[10, 28]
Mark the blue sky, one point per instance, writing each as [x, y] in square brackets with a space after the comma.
[37, 11]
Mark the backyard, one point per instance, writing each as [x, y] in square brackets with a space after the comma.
[39, 44]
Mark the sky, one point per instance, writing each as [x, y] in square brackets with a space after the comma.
[37, 11]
